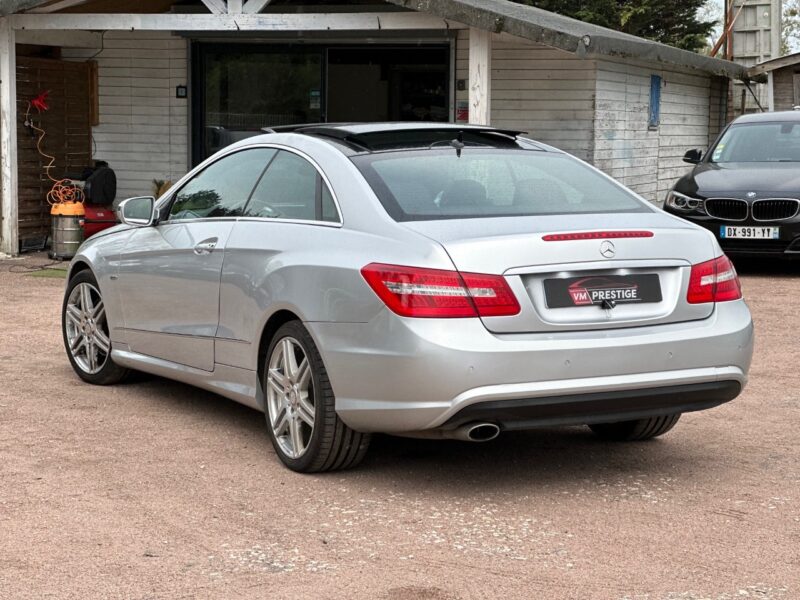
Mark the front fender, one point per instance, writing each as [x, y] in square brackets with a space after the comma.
[101, 255]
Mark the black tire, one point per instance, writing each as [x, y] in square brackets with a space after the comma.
[635, 431]
[110, 372]
[332, 445]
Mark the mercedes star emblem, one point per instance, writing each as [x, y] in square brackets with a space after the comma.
[607, 249]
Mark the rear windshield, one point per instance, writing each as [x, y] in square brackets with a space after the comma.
[438, 184]
[759, 142]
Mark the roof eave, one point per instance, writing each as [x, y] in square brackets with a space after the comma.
[763, 69]
[661, 53]
[10, 7]
[592, 43]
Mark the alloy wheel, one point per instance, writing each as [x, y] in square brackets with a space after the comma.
[290, 397]
[87, 328]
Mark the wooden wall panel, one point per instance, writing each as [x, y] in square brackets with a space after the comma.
[68, 139]
[649, 161]
[143, 129]
[546, 92]
[784, 88]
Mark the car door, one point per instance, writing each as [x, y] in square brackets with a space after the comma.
[291, 212]
[169, 274]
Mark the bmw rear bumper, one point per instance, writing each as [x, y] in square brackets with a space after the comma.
[404, 375]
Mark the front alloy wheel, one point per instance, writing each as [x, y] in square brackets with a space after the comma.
[307, 434]
[86, 328]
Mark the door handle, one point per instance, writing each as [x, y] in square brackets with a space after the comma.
[205, 247]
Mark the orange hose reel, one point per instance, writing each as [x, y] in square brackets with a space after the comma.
[64, 191]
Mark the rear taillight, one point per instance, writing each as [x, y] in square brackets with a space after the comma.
[434, 293]
[714, 281]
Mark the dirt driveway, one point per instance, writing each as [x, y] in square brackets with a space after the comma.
[154, 489]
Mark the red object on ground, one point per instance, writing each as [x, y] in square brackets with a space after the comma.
[97, 218]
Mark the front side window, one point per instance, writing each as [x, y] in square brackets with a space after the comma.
[291, 188]
[759, 142]
[222, 188]
[443, 184]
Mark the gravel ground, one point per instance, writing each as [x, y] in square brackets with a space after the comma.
[153, 489]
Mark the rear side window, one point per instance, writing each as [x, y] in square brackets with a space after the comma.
[222, 188]
[291, 188]
[440, 184]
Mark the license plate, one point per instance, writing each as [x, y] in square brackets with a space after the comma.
[602, 290]
[750, 233]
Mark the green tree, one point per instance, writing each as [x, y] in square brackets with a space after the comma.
[673, 22]
[790, 27]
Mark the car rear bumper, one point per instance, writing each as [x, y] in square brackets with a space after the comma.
[402, 375]
[600, 407]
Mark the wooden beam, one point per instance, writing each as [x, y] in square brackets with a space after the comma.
[225, 22]
[480, 76]
[66, 39]
[9, 239]
[217, 7]
[234, 7]
[255, 6]
[727, 35]
[771, 91]
[9, 7]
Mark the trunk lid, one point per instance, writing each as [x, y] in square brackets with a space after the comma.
[561, 285]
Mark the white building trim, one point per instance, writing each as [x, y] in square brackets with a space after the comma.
[480, 76]
[9, 241]
[232, 22]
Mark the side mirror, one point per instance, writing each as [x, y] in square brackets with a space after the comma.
[140, 212]
[693, 157]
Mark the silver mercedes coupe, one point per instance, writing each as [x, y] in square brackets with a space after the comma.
[425, 280]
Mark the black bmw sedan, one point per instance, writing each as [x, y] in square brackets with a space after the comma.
[746, 189]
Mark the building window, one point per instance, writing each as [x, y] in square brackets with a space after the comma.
[654, 117]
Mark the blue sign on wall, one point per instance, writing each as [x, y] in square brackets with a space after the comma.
[655, 102]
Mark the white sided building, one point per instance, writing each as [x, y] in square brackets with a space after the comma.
[155, 86]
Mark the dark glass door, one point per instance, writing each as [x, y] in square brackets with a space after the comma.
[388, 84]
[239, 89]
[242, 88]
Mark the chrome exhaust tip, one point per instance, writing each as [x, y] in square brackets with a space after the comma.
[478, 432]
[471, 432]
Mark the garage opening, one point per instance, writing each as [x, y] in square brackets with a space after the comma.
[239, 89]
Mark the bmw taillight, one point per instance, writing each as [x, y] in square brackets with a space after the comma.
[714, 281]
[435, 293]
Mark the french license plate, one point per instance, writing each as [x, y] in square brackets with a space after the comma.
[750, 233]
[602, 290]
